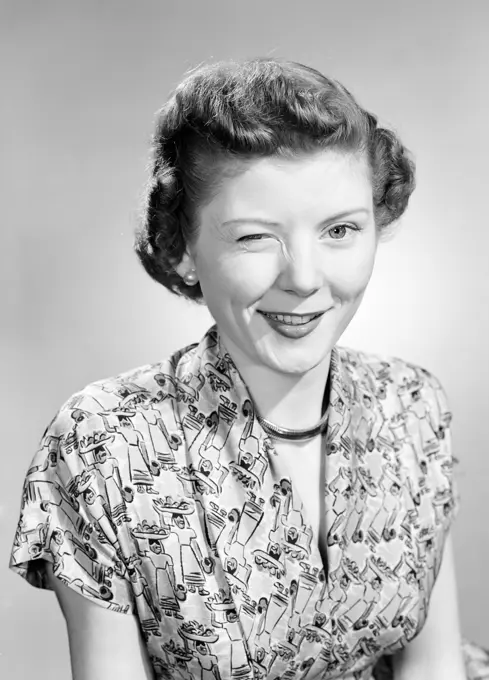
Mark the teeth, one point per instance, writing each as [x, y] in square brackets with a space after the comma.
[295, 320]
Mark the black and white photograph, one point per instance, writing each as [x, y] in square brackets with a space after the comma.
[245, 254]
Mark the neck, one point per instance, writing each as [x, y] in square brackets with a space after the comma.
[287, 400]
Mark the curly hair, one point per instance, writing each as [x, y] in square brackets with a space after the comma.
[225, 115]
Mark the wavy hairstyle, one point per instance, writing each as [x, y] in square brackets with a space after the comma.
[225, 115]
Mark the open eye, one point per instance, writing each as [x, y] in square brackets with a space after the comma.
[339, 231]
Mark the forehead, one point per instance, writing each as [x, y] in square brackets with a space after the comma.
[326, 181]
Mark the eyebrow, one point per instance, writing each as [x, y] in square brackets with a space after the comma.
[271, 223]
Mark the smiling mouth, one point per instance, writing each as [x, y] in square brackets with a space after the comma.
[292, 319]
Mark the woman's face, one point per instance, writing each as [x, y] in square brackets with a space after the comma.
[283, 255]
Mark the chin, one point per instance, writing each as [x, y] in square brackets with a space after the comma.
[293, 361]
[299, 367]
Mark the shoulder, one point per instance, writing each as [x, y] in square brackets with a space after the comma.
[381, 366]
[387, 373]
[146, 384]
[413, 417]
[108, 414]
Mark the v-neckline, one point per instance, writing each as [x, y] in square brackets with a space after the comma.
[338, 432]
[281, 468]
[319, 544]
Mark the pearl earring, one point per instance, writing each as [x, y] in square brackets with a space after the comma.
[190, 278]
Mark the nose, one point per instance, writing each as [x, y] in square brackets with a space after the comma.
[301, 272]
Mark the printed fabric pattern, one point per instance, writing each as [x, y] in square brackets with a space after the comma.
[157, 493]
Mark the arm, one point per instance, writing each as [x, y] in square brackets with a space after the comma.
[104, 645]
[436, 653]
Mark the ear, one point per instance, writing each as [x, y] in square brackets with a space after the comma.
[185, 265]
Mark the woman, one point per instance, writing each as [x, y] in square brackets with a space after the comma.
[298, 496]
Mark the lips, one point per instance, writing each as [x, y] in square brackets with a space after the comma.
[291, 319]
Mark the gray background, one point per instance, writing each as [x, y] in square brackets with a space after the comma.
[80, 83]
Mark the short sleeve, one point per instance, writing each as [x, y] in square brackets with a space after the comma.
[65, 516]
[436, 498]
[442, 463]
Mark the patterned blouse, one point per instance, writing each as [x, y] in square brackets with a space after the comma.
[158, 494]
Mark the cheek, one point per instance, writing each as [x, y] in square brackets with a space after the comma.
[243, 278]
[350, 276]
